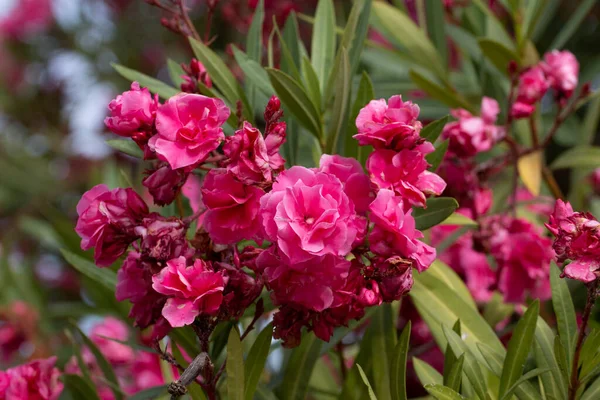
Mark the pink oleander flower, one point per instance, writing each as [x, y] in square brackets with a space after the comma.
[523, 257]
[112, 328]
[232, 208]
[533, 84]
[470, 134]
[392, 125]
[164, 183]
[132, 114]
[192, 189]
[578, 240]
[25, 18]
[188, 128]
[195, 73]
[241, 291]
[163, 238]
[193, 291]
[247, 155]
[107, 221]
[36, 380]
[308, 214]
[357, 184]
[405, 173]
[394, 232]
[274, 139]
[562, 71]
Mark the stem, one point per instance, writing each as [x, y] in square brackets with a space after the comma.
[552, 184]
[257, 314]
[188, 21]
[591, 298]
[343, 369]
[178, 388]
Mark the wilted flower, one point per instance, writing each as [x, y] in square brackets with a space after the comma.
[164, 183]
[163, 238]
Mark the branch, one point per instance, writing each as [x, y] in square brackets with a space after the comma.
[189, 375]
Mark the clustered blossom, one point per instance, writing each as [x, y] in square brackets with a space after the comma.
[577, 242]
[38, 379]
[559, 70]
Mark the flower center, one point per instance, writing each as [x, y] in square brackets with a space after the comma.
[188, 134]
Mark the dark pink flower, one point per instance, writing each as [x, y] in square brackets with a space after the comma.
[394, 232]
[533, 84]
[392, 125]
[395, 277]
[195, 73]
[357, 184]
[465, 186]
[107, 221]
[239, 293]
[471, 135]
[404, 172]
[562, 71]
[163, 238]
[164, 183]
[248, 159]
[188, 129]
[132, 114]
[232, 208]
[36, 380]
[308, 214]
[194, 290]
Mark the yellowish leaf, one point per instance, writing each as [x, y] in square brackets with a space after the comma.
[530, 170]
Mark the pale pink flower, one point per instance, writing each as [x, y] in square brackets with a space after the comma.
[562, 71]
[188, 129]
[193, 291]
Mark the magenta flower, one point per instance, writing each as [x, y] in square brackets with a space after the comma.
[562, 71]
[357, 184]
[391, 125]
[189, 128]
[164, 183]
[471, 135]
[193, 291]
[112, 328]
[107, 221]
[533, 84]
[308, 214]
[248, 159]
[394, 232]
[465, 186]
[232, 208]
[274, 139]
[37, 380]
[405, 173]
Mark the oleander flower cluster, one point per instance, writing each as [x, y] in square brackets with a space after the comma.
[326, 242]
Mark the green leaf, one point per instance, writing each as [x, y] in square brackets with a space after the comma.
[518, 348]
[449, 357]
[436, 27]
[398, 370]
[531, 374]
[364, 94]
[458, 219]
[471, 368]
[296, 101]
[383, 339]
[323, 39]
[126, 146]
[299, 368]
[186, 338]
[254, 38]
[438, 209]
[455, 375]
[312, 82]
[149, 394]
[493, 360]
[255, 362]
[366, 381]
[565, 312]
[590, 356]
[592, 392]
[104, 365]
[355, 32]
[401, 28]
[290, 53]
[79, 387]
[154, 85]
[561, 358]
[175, 72]
[443, 393]
[451, 99]
[578, 157]
[572, 24]
[221, 76]
[426, 373]
[434, 129]
[253, 71]
[498, 54]
[235, 367]
[103, 276]
[436, 158]
[554, 383]
[339, 117]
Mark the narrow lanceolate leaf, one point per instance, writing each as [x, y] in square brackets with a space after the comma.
[578, 157]
[323, 39]
[455, 376]
[593, 391]
[126, 146]
[296, 101]
[498, 54]
[443, 393]
[175, 72]
[438, 92]
[366, 381]
[459, 220]
[235, 367]
[312, 83]
[398, 370]
[103, 276]
[438, 209]
[436, 27]
[554, 383]
[299, 368]
[518, 348]
[255, 362]
[435, 158]
[382, 340]
[561, 358]
[364, 95]
[426, 373]
[530, 171]
[254, 72]
[149, 394]
[339, 117]
[356, 31]
[434, 129]
[565, 312]
[449, 357]
[79, 387]
[254, 38]
[154, 85]
[529, 375]
[573, 23]
[589, 351]
[221, 76]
